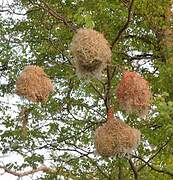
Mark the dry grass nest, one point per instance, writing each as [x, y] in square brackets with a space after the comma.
[116, 138]
[91, 53]
[34, 84]
[133, 94]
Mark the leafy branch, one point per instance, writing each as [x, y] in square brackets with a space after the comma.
[54, 14]
[157, 152]
[129, 18]
[152, 167]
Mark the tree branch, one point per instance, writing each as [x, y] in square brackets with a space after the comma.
[97, 91]
[54, 14]
[107, 87]
[120, 173]
[134, 169]
[99, 168]
[42, 168]
[125, 25]
[157, 152]
[154, 168]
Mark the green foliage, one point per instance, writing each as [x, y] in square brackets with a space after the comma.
[60, 132]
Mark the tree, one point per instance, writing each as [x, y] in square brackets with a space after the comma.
[57, 137]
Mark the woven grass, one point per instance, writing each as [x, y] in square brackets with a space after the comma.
[91, 53]
[133, 94]
[116, 138]
[34, 84]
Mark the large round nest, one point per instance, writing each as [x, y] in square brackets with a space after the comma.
[91, 53]
[133, 94]
[116, 138]
[34, 84]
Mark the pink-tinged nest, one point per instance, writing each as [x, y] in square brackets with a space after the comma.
[91, 53]
[116, 138]
[34, 84]
[133, 94]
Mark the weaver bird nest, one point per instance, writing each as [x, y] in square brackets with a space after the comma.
[34, 84]
[91, 53]
[116, 138]
[133, 94]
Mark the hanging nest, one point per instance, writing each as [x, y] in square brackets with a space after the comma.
[116, 138]
[133, 94]
[34, 84]
[91, 53]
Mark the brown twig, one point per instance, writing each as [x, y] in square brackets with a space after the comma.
[23, 116]
[99, 168]
[113, 72]
[130, 9]
[54, 14]
[97, 91]
[154, 168]
[25, 173]
[134, 169]
[157, 152]
[107, 85]
[107, 98]
[43, 168]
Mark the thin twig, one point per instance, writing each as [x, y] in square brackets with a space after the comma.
[154, 168]
[97, 91]
[157, 152]
[25, 173]
[98, 167]
[134, 169]
[107, 98]
[113, 73]
[53, 13]
[125, 25]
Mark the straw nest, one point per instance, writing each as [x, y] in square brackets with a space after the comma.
[91, 53]
[34, 84]
[133, 94]
[116, 138]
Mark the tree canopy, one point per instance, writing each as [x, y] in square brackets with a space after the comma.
[56, 138]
